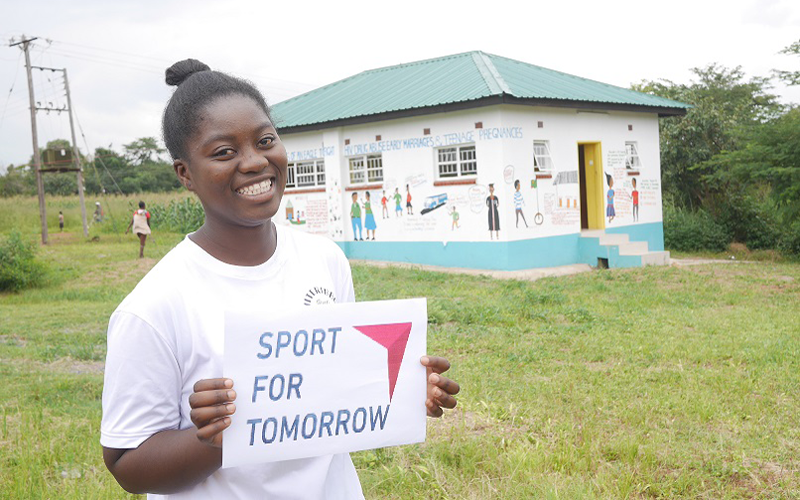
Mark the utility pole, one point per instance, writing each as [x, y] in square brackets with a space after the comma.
[37, 161]
[77, 158]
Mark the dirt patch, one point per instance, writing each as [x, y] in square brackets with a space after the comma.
[119, 271]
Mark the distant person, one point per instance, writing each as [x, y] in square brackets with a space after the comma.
[61, 221]
[98, 212]
[141, 226]
[635, 197]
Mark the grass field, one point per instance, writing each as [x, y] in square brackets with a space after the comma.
[641, 383]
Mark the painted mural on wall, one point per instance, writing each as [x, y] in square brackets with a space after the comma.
[626, 192]
[508, 202]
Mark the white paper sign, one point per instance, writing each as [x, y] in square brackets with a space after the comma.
[325, 379]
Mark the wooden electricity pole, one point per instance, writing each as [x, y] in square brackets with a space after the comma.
[37, 161]
[77, 157]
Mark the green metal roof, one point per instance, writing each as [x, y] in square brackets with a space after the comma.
[471, 78]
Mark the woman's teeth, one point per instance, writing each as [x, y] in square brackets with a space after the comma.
[256, 189]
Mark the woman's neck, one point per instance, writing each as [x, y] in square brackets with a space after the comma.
[238, 246]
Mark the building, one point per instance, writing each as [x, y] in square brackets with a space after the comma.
[479, 161]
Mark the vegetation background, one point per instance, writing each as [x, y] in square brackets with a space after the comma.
[730, 169]
[662, 382]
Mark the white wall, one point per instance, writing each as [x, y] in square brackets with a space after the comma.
[504, 148]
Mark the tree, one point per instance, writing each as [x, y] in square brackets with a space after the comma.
[725, 107]
[143, 150]
[769, 159]
[790, 77]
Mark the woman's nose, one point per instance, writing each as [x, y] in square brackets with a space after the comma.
[253, 161]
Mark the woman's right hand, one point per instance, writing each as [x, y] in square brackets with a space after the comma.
[212, 405]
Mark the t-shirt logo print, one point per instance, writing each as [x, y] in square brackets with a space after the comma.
[319, 296]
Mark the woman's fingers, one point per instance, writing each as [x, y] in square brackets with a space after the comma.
[435, 364]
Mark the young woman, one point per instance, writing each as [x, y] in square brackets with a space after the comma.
[165, 403]
[141, 226]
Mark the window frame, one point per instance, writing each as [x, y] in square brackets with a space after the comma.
[316, 175]
[633, 160]
[370, 169]
[543, 163]
[458, 162]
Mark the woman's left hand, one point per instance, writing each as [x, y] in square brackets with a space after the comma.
[440, 389]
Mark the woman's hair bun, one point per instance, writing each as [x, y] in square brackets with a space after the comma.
[181, 70]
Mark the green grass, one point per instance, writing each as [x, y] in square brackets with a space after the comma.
[642, 383]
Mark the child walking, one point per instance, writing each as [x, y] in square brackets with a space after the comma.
[165, 403]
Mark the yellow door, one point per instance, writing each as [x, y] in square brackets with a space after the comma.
[591, 179]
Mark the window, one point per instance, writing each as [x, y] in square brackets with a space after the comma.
[456, 161]
[306, 174]
[542, 162]
[368, 168]
[632, 161]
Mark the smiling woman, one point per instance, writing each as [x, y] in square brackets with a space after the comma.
[165, 403]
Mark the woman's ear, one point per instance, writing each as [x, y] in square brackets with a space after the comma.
[183, 173]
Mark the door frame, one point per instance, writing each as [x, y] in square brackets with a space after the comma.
[591, 180]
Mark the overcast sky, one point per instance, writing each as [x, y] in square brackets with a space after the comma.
[116, 51]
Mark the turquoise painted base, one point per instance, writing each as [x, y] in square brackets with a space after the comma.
[551, 251]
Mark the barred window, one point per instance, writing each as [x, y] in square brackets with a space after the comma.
[367, 168]
[632, 161]
[542, 162]
[456, 161]
[306, 174]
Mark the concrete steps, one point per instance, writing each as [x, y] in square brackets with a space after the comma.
[616, 250]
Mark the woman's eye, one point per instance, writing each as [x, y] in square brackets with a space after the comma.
[266, 141]
[224, 152]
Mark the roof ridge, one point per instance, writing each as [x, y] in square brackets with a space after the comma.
[581, 78]
[490, 75]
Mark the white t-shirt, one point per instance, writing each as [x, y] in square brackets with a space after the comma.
[168, 334]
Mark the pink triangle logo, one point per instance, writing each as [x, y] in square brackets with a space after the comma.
[394, 338]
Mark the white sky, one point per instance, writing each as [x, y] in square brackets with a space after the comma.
[116, 51]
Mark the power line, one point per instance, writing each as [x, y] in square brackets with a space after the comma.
[8, 98]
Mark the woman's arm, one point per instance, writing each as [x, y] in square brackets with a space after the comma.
[172, 460]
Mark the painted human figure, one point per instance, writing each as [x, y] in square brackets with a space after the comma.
[635, 197]
[610, 212]
[409, 208]
[398, 210]
[355, 218]
[519, 202]
[455, 216]
[494, 216]
[369, 218]
[384, 208]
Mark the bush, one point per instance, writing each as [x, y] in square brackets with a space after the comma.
[790, 239]
[688, 231]
[19, 268]
[748, 219]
